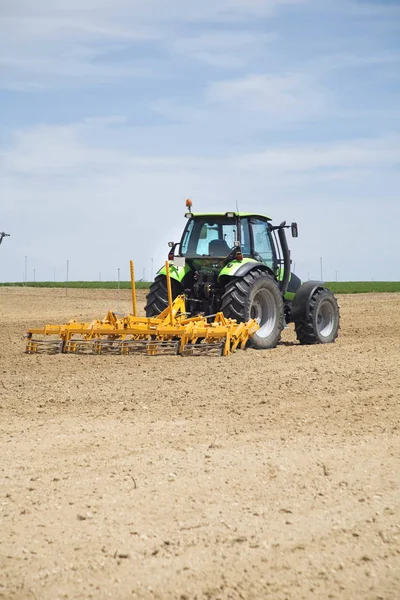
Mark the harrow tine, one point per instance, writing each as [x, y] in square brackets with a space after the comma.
[162, 347]
[124, 347]
[149, 347]
[44, 346]
[203, 349]
[77, 346]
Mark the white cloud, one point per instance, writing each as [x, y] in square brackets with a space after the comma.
[230, 49]
[375, 153]
[331, 62]
[369, 9]
[149, 9]
[116, 202]
[58, 45]
[46, 151]
[43, 73]
[289, 96]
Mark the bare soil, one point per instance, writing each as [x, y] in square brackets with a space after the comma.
[269, 474]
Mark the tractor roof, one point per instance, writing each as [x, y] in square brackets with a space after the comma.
[235, 214]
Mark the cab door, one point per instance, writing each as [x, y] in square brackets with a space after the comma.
[263, 247]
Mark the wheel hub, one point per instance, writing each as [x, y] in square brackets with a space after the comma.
[263, 310]
[325, 319]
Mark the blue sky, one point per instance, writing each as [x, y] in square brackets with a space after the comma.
[112, 113]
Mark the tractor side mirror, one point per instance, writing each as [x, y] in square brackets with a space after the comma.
[171, 244]
[295, 231]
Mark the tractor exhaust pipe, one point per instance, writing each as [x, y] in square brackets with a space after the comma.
[286, 257]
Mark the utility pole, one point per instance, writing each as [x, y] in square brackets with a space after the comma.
[26, 269]
[152, 271]
[336, 276]
[34, 275]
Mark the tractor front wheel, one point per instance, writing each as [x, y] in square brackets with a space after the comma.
[256, 296]
[321, 326]
[157, 298]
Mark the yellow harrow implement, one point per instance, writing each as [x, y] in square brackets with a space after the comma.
[171, 332]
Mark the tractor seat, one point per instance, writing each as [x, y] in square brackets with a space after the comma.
[218, 248]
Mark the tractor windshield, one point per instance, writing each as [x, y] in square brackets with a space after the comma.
[209, 236]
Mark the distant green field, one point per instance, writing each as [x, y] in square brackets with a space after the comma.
[363, 287]
[338, 287]
[107, 285]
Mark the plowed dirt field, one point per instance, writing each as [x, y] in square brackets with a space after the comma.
[268, 474]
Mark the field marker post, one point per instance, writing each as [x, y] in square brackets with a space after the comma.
[169, 290]
[133, 287]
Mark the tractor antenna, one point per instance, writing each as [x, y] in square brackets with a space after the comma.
[3, 235]
[237, 206]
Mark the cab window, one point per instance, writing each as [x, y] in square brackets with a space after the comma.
[245, 236]
[209, 236]
[262, 246]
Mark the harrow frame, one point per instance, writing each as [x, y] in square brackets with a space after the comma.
[171, 332]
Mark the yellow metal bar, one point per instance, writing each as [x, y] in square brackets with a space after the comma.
[133, 287]
[119, 335]
[169, 289]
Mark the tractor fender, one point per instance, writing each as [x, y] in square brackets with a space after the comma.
[301, 300]
[240, 268]
[177, 273]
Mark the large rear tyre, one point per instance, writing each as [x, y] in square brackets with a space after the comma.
[157, 298]
[322, 324]
[256, 296]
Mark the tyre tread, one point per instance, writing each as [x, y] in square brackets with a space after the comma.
[305, 331]
[236, 293]
[157, 298]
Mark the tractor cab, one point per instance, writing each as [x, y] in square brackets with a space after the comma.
[227, 237]
[239, 264]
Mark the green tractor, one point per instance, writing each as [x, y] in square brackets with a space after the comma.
[239, 263]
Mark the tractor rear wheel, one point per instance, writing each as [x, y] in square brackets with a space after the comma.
[256, 296]
[322, 324]
[157, 298]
